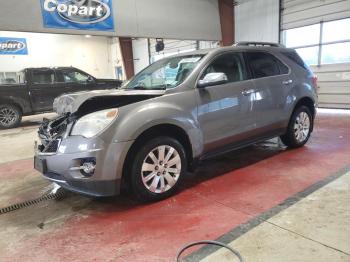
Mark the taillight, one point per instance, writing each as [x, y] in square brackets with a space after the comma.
[314, 81]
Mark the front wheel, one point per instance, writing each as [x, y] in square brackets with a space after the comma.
[10, 116]
[158, 169]
[299, 128]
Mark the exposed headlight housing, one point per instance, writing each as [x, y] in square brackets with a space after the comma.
[92, 124]
[63, 104]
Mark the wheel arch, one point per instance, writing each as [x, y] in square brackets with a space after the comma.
[170, 130]
[309, 103]
[11, 102]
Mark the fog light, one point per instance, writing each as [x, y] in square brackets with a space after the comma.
[89, 167]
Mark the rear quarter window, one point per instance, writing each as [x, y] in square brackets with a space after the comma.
[292, 55]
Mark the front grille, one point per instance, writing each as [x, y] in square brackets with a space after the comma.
[52, 146]
[51, 132]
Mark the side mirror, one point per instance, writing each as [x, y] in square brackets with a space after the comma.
[90, 79]
[212, 79]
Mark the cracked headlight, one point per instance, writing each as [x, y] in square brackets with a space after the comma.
[92, 124]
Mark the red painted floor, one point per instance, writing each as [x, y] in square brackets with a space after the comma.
[223, 193]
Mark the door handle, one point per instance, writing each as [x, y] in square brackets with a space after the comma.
[248, 92]
[287, 82]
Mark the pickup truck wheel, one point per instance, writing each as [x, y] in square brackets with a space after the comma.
[10, 116]
[299, 128]
[158, 169]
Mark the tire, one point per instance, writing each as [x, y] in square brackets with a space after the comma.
[152, 179]
[299, 128]
[10, 116]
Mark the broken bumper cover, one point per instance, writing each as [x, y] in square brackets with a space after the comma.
[63, 167]
[89, 188]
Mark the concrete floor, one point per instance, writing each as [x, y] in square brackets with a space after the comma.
[315, 229]
[221, 199]
[18, 143]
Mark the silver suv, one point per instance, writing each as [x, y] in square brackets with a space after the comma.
[174, 113]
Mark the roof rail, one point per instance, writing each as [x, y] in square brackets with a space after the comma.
[247, 43]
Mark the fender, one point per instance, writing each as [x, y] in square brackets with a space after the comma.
[296, 94]
[130, 124]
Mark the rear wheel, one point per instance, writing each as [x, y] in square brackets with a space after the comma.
[10, 116]
[158, 169]
[299, 128]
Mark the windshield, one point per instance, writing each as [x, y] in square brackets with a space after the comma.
[165, 73]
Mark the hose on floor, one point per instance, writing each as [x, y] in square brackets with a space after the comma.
[208, 242]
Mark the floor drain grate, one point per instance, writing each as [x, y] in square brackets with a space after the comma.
[45, 197]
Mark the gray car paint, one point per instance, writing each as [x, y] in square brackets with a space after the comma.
[212, 117]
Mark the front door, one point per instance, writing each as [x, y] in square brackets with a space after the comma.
[224, 111]
[72, 80]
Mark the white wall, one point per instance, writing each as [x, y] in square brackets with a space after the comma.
[257, 20]
[93, 55]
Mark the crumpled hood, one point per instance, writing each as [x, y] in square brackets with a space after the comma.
[70, 103]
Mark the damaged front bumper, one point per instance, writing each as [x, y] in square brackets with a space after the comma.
[61, 158]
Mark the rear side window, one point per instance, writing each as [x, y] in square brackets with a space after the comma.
[293, 55]
[43, 76]
[264, 65]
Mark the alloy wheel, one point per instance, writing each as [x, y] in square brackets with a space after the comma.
[8, 116]
[161, 169]
[302, 127]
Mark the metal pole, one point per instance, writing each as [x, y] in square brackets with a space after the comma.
[280, 22]
[320, 45]
[149, 50]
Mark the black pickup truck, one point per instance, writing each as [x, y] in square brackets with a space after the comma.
[34, 90]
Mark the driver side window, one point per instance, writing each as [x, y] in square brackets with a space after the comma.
[230, 64]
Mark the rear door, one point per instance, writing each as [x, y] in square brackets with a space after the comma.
[43, 89]
[224, 111]
[272, 80]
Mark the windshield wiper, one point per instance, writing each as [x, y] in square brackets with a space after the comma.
[145, 88]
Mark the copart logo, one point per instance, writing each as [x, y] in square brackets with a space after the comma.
[78, 14]
[13, 46]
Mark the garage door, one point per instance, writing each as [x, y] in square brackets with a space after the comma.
[319, 31]
[172, 47]
[298, 13]
[334, 85]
